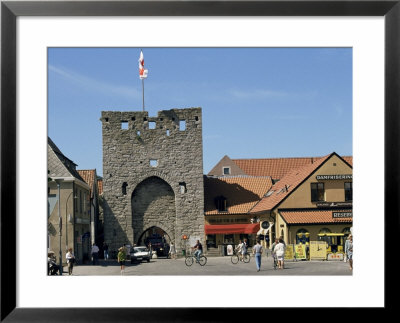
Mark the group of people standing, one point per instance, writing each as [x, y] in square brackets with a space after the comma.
[277, 249]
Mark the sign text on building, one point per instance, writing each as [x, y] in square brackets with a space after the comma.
[334, 177]
[342, 214]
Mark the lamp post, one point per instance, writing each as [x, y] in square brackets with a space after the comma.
[66, 219]
[58, 181]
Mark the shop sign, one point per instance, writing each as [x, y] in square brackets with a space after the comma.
[334, 204]
[300, 251]
[337, 215]
[334, 177]
[289, 252]
[335, 256]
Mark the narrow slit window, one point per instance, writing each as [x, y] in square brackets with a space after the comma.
[182, 125]
[124, 185]
[168, 133]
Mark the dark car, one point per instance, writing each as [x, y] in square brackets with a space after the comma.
[138, 254]
[158, 244]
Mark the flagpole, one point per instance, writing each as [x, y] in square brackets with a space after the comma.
[143, 92]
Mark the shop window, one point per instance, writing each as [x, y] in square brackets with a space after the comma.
[348, 191]
[325, 230]
[226, 170]
[346, 231]
[317, 192]
[220, 204]
[211, 241]
[228, 238]
[302, 236]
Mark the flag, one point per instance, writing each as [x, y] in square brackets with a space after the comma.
[142, 71]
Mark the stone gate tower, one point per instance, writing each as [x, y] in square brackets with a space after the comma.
[152, 175]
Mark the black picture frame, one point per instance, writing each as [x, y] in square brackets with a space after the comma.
[10, 10]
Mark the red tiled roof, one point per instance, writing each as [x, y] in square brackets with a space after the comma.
[88, 176]
[313, 216]
[241, 192]
[277, 168]
[286, 185]
[100, 186]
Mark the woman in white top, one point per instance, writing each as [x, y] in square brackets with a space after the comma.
[279, 251]
[239, 250]
[70, 260]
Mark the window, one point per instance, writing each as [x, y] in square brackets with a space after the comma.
[80, 201]
[182, 187]
[153, 162]
[182, 125]
[152, 125]
[84, 202]
[317, 192]
[348, 191]
[124, 185]
[220, 203]
[124, 125]
[228, 238]
[168, 133]
[226, 170]
[302, 236]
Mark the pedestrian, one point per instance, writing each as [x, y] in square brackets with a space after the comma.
[172, 251]
[257, 251]
[121, 259]
[105, 249]
[280, 253]
[95, 254]
[348, 249]
[70, 260]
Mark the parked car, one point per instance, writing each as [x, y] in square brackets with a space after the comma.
[158, 244]
[138, 254]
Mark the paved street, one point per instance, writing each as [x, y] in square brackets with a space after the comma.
[214, 266]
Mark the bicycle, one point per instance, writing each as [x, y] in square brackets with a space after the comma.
[235, 258]
[190, 259]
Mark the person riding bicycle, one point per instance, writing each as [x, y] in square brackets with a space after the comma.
[239, 250]
[199, 250]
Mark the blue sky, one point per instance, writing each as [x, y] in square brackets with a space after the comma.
[256, 102]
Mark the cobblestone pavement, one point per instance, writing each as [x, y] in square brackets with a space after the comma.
[214, 266]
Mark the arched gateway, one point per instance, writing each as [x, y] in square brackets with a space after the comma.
[153, 206]
[152, 176]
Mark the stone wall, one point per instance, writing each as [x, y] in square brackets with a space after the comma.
[152, 174]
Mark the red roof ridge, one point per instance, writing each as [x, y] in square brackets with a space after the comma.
[288, 183]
